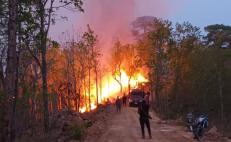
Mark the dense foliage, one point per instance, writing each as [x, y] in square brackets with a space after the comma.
[189, 72]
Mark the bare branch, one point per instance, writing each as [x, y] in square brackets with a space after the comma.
[49, 17]
[60, 6]
[35, 57]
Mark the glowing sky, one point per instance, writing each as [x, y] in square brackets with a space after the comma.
[198, 12]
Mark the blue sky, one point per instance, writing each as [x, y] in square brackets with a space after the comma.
[203, 12]
[198, 12]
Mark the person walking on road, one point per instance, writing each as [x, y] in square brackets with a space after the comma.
[118, 104]
[124, 100]
[108, 105]
[143, 110]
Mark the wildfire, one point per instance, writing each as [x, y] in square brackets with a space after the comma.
[111, 88]
[84, 109]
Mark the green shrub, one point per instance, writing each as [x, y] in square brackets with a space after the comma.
[78, 132]
[88, 124]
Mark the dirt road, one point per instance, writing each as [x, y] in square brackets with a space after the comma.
[124, 127]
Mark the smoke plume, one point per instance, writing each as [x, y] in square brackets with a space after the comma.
[111, 19]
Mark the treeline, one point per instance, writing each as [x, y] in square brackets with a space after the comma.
[189, 69]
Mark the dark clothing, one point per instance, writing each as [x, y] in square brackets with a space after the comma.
[143, 110]
[148, 107]
[124, 100]
[118, 105]
[108, 106]
[147, 123]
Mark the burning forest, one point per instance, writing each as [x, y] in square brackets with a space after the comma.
[81, 79]
[75, 87]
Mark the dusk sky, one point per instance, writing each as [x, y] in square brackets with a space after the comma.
[198, 12]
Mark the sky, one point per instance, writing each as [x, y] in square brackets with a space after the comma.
[203, 12]
[117, 14]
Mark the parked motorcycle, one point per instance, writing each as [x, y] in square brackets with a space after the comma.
[201, 122]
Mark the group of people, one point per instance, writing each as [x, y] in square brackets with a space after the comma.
[143, 111]
[120, 101]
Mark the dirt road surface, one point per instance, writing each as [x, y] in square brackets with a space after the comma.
[124, 127]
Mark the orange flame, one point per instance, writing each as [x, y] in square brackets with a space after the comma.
[84, 109]
[111, 88]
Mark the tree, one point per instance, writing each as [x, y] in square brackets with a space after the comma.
[159, 40]
[142, 26]
[11, 68]
[154, 37]
[131, 65]
[90, 39]
[117, 58]
[45, 19]
[81, 59]
[219, 37]
[3, 39]
[186, 38]
[96, 64]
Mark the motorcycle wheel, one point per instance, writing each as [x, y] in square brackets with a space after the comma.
[196, 133]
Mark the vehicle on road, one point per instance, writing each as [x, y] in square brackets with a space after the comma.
[135, 96]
